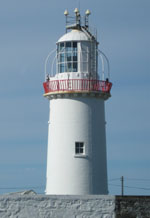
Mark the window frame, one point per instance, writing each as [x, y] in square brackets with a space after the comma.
[79, 148]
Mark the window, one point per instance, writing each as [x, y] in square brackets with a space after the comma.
[79, 148]
[67, 57]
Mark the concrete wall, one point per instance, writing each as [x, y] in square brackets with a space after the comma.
[41, 206]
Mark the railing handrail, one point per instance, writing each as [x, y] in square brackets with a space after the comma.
[76, 85]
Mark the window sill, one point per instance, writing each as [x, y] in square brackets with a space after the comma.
[80, 156]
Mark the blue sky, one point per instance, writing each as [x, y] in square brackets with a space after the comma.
[29, 30]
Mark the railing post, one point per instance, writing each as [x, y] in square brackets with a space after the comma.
[67, 85]
[58, 85]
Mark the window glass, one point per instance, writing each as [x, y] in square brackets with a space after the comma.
[79, 148]
[67, 57]
[62, 57]
[68, 46]
[75, 69]
[62, 68]
[75, 46]
[74, 56]
[69, 67]
[61, 46]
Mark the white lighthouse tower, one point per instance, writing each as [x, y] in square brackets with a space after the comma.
[77, 89]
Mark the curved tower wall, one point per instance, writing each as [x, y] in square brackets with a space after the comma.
[76, 119]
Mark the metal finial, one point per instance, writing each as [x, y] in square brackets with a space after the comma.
[88, 12]
[66, 13]
[76, 11]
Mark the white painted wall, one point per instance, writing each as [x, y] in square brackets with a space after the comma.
[41, 206]
[76, 119]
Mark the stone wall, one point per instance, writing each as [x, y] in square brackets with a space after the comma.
[132, 206]
[30, 205]
[40, 206]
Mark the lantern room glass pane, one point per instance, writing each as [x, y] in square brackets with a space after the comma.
[74, 56]
[75, 46]
[62, 68]
[67, 57]
[75, 67]
[62, 57]
[69, 66]
[68, 46]
[62, 46]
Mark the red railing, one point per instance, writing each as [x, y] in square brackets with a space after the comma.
[77, 85]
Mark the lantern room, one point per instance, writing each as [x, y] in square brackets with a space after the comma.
[77, 55]
[74, 66]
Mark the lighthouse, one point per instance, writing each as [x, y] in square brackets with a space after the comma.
[77, 88]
